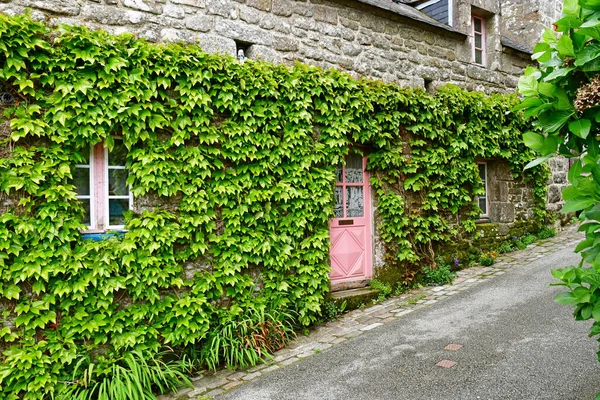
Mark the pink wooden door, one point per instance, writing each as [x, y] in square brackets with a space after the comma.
[350, 233]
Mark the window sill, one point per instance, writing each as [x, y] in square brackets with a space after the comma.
[99, 236]
[483, 220]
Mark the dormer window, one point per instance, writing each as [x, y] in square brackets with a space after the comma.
[479, 39]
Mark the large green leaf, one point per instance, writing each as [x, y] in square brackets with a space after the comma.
[552, 121]
[565, 46]
[580, 127]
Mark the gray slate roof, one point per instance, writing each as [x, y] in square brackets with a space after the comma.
[515, 45]
[408, 12]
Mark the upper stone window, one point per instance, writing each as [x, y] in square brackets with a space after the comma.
[479, 39]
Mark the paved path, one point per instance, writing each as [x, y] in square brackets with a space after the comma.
[517, 343]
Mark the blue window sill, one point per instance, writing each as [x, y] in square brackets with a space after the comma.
[97, 237]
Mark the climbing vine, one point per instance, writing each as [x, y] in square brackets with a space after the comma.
[238, 162]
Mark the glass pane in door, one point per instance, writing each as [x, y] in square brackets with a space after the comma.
[355, 205]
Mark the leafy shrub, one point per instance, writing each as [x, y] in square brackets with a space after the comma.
[441, 275]
[528, 239]
[562, 96]
[546, 233]
[331, 310]
[505, 247]
[384, 288]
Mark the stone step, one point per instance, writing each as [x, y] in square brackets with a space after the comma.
[354, 298]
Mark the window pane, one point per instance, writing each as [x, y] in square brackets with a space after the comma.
[87, 218]
[117, 182]
[482, 171]
[478, 25]
[338, 173]
[118, 155]
[479, 57]
[116, 208]
[354, 202]
[81, 180]
[478, 41]
[339, 203]
[483, 204]
[354, 169]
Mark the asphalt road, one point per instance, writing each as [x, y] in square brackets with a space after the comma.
[518, 344]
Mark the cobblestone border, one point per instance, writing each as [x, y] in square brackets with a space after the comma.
[357, 322]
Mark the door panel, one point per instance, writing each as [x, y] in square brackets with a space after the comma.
[350, 232]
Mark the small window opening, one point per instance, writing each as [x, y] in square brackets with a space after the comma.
[241, 50]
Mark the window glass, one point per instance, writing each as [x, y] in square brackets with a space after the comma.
[118, 155]
[116, 209]
[117, 188]
[339, 202]
[117, 182]
[355, 206]
[354, 169]
[82, 176]
[478, 41]
[478, 27]
[483, 204]
[81, 180]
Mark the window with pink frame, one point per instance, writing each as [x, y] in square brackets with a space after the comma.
[479, 39]
[101, 186]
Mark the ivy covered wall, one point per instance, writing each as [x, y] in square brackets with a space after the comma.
[242, 159]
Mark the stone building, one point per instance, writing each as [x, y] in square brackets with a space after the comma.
[479, 45]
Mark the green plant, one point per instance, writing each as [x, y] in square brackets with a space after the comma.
[488, 258]
[546, 233]
[413, 300]
[562, 95]
[384, 288]
[437, 276]
[133, 375]
[331, 310]
[529, 239]
[505, 247]
[246, 340]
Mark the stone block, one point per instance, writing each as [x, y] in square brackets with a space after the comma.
[217, 44]
[263, 5]
[143, 5]
[502, 212]
[192, 3]
[176, 35]
[259, 52]
[200, 23]
[326, 14]
[239, 30]
[498, 190]
[560, 178]
[250, 15]
[267, 22]
[348, 23]
[62, 7]
[223, 8]
[554, 194]
[284, 43]
[282, 8]
[112, 16]
[173, 11]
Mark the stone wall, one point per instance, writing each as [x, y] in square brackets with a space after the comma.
[510, 200]
[557, 182]
[525, 21]
[353, 36]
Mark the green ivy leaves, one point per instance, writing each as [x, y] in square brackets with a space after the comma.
[232, 167]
